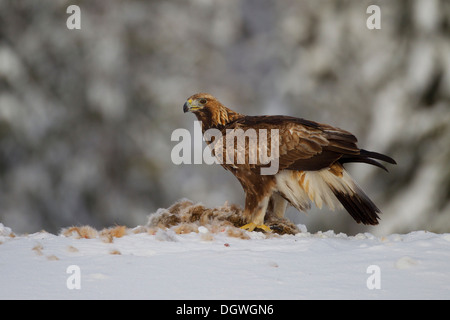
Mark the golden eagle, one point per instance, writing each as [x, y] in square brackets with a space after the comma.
[310, 158]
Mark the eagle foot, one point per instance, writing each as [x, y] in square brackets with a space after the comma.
[252, 226]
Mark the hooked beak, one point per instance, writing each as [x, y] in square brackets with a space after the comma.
[190, 105]
[186, 107]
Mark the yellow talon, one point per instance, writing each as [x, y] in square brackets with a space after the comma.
[252, 226]
[249, 226]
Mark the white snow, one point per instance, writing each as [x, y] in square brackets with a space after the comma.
[207, 265]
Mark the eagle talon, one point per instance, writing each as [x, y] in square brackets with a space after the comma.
[252, 226]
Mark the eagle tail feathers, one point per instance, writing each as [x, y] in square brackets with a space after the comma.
[359, 206]
[350, 195]
[332, 187]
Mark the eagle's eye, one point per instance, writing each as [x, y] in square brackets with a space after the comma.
[202, 101]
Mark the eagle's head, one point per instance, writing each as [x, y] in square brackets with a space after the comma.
[200, 102]
[209, 111]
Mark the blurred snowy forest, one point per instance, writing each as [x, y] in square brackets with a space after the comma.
[86, 115]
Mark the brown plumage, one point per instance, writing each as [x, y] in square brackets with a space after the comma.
[310, 159]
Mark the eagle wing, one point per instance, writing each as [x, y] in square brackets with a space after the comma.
[307, 147]
[303, 144]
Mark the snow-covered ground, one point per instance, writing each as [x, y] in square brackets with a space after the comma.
[134, 264]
